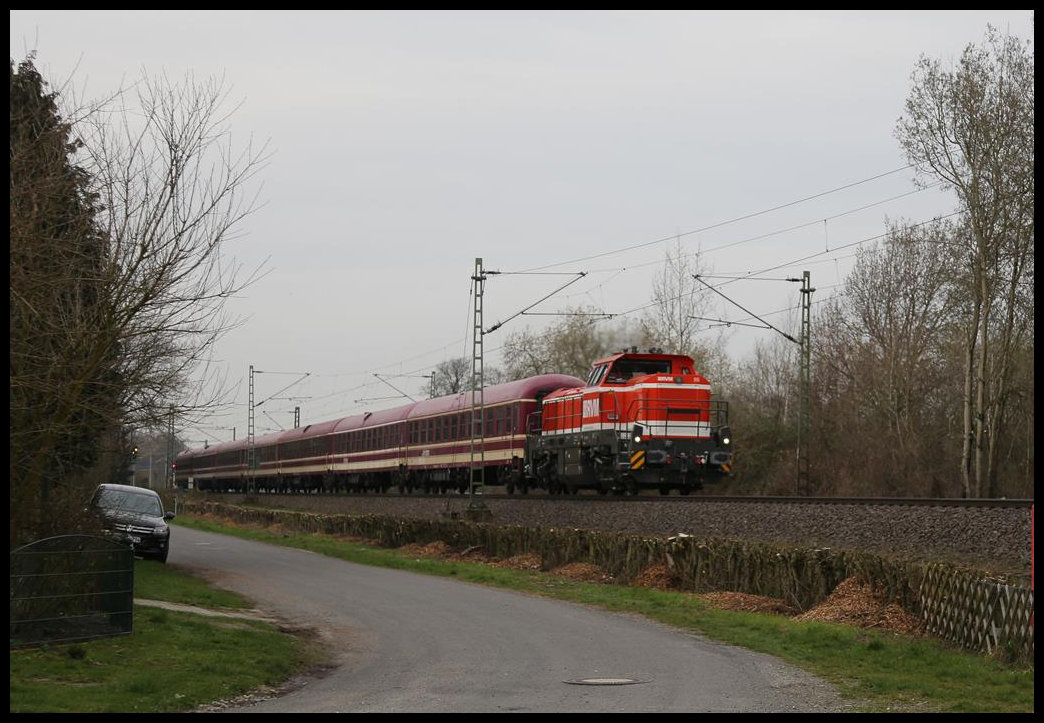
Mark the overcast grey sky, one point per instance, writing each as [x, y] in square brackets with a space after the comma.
[408, 143]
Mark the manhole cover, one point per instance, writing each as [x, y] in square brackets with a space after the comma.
[605, 681]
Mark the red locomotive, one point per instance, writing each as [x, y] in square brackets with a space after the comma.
[642, 421]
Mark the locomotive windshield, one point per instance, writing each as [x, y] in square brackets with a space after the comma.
[625, 369]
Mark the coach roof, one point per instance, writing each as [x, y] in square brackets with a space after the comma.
[529, 388]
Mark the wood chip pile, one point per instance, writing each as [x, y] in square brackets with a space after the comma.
[851, 603]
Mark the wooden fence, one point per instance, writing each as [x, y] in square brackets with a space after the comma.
[976, 612]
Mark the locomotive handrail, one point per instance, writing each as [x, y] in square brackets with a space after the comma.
[658, 414]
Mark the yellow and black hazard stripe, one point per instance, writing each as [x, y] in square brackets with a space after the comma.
[637, 459]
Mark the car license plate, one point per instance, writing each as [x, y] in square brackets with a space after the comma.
[135, 539]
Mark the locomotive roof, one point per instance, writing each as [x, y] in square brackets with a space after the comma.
[642, 355]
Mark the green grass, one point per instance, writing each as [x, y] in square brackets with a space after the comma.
[172, 661]
[153, 581]
[176, 661]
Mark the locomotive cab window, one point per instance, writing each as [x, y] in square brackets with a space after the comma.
[596, 375]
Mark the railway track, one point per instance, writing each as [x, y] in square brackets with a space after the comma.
[664, 499]
[995, 533]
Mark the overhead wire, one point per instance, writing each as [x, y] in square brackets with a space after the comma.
[616, 272]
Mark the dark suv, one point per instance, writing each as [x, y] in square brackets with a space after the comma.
[134, 515]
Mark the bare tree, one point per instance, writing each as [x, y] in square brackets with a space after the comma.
[174, 188]
[132, 323]
[763, 415]
[678, 302]
[882, 367]
[453, 376]
[971, 128]
[567, 347]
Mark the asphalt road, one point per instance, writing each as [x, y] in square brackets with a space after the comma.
[411, 643]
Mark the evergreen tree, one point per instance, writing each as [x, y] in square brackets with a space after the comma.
[56, 261]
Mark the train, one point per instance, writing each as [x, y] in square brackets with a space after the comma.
[641, 421]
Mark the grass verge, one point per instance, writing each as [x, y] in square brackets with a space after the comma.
[171, 662]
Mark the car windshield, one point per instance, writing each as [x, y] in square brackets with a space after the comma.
[140, 504]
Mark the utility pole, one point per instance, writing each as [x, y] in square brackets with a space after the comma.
[805, 373]
[801, 484]
[477, 482]
[169, 478]
[251, 461]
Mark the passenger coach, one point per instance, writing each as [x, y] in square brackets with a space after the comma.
[424, 445]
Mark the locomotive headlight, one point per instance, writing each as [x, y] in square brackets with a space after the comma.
[637, 433]
[725, 435]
